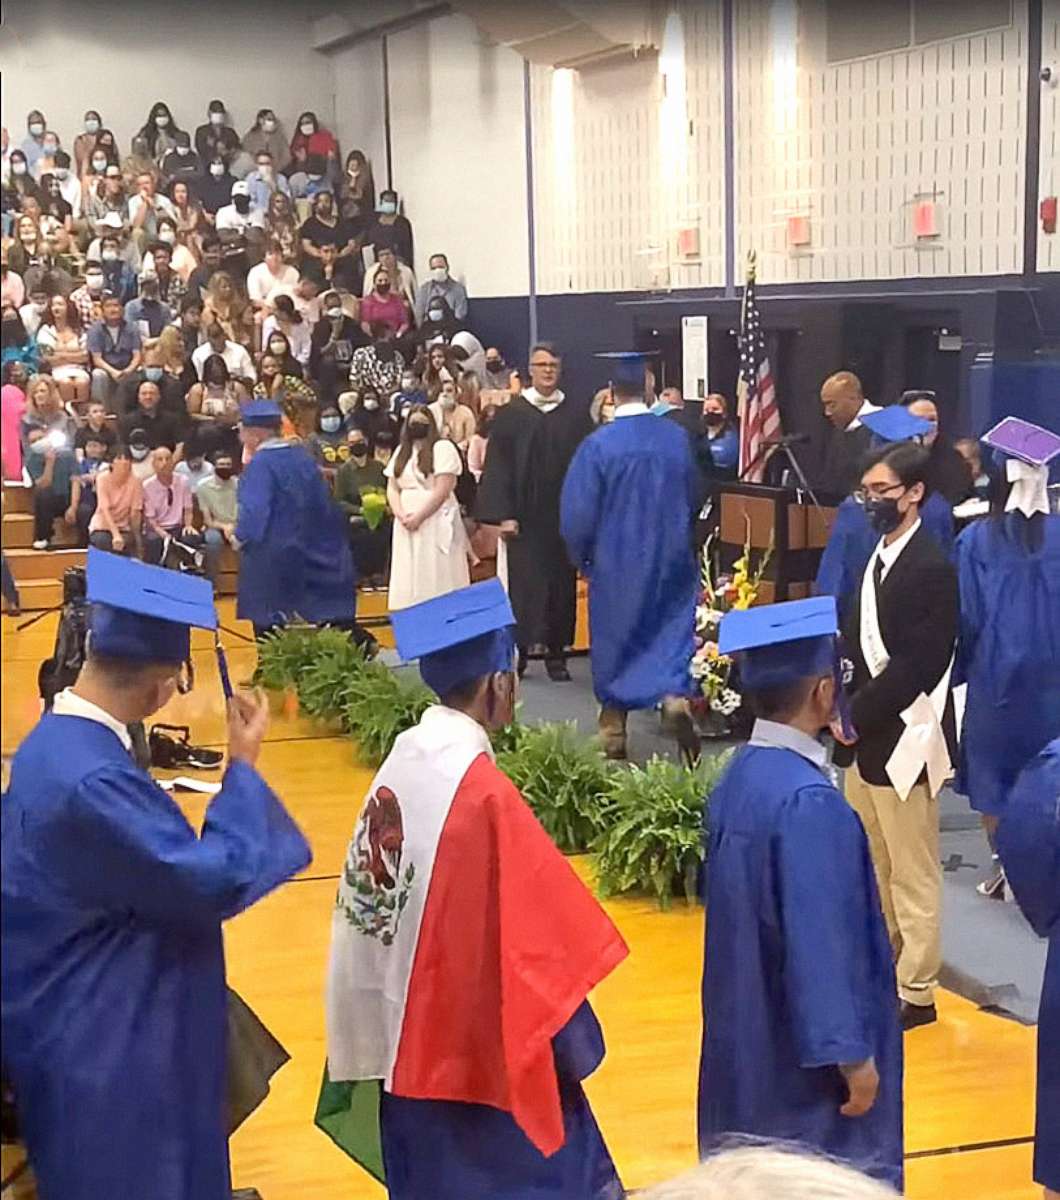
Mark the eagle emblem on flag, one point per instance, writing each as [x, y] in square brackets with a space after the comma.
[375, 882]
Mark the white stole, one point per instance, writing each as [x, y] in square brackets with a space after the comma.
[922, 743]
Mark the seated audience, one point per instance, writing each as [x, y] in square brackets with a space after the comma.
[384, 307]
[313, 140]
[295, 397]
[12, 287]
[264, 181]
[96, 427]
[160, 261]
[55, 206]
[273, 272]
[44, 410]
[115, 349]
[212, 260]
[390, 228]
[440, 324]
[498, 374]
[224, 305]
[239, 217]
[85, 142]
[476, 450]
[214, 186]
[411, 392]
[334, 339]
[328, 445]
[281, 225]
[379, 364]
[216, 498]
[158, 428]
[369, 414]
[191, 226]
[147, 313]
[325, 226]
[88, 298]
[106, 199]
[169, 510]
[236, 356]
[265, 135]
[171, 383]
[50, 466]
[116, 523]
[146, 208]
[441, 286]
[214, 405]
[119, 277]
[454, 420]
[216, 138]
[195, 467]
[83, 485]
[16, 345]
[357, 191]
[402, 279]
[158, 134]
[63, 349]
[286, 335]
[370, 539]
[441, 364]
[329, 271]
[181, 162]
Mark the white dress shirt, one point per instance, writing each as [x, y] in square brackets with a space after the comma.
[889, 554]
[544, 404]
[237, 360]
[866, 407]
[635, 409]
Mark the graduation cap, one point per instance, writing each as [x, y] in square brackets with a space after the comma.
[896, 424]
[626, 367]
[778, 644]
[1028, 450]
[142, 612]
[459, 636]
[261, 413]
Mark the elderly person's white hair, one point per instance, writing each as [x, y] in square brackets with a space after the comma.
[770, 1173]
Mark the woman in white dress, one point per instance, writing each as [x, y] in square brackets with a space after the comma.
[430, 549]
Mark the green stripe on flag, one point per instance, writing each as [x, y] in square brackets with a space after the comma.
[349, 1114]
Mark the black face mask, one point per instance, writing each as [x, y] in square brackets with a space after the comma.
[494, 365]
[418, 429]
[713, 420]
[883, 514]
[358, 449]
[242, 203]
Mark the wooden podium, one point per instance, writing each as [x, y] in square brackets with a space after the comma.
[797, 531]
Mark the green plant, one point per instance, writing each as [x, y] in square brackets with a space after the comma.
[324, 682]
[378, 706]
[284, 654]
[563, 778]
[654, 837]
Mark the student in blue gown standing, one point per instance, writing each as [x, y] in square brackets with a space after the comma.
[852, 539]
[801, 1033]
[295, 556]
[114, 998]
[627, 515]
[1028, 839]
[1008, 649]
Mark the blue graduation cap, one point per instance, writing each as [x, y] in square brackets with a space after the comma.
[1016, 438]
[896, 424]
[261, 413]
[778, 644]
[143, 612]
[626, 367]
[459, 636]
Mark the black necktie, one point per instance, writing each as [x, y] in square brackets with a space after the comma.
[877, 574]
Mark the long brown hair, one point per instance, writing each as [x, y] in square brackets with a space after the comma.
[425, 453]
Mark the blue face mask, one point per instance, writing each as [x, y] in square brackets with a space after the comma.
[330, 424]
[389, 207]
[153, 373]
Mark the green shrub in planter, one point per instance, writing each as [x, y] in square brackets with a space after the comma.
[564, 779]
[284, 654]
[378, 706]
[324, 682]
[653, 840]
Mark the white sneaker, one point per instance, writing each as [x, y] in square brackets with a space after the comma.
[40, 544]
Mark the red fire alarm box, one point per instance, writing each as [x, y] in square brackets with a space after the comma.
[688, 242]
[798, 231]
[1048, 212]
[925, 219]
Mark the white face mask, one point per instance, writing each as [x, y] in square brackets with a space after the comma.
[307, 128]
[36, 129]
[439, 274]
[167, 236]
[61, 173]
[268, 125]
[371, 404]
[99, 165]
[91, 125]
[50, 147]
[109, 255]
[139, 452]
[161, 120]
[265, 170]
[217, 118]
[18, 168]
[183, 149]
[334, 314]
[217, 170]
[94, 283]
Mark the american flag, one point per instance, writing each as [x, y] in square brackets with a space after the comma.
[756, 396]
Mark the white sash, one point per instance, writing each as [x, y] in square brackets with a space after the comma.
[922, 743]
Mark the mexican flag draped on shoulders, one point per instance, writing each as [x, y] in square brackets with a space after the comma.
[463, 951]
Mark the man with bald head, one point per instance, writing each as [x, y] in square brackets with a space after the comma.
[161, 428]
[844, 404]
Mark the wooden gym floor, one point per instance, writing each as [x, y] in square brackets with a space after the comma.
[969, 1079]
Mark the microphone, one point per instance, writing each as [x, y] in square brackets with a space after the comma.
[789, 439]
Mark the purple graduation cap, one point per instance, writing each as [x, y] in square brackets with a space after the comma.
[1020, 439]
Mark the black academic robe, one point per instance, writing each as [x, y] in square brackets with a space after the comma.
[844, 460]
[526, 463]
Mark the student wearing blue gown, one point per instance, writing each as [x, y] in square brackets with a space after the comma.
[1008, 649]
[852, 539]
[1028, 839]
[627, 515]
[295, 556]
[801, 1035]
[113, 999]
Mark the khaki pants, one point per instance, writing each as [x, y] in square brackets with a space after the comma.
[904, 842]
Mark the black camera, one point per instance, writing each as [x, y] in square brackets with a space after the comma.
[75, 588]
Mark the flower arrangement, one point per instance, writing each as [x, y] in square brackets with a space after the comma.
[720, 595]
[373, 506]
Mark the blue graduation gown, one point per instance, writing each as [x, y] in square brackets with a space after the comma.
[626, 514]
[798, 974]
[295, 557]
[1008, 652]
[1028, 840]
[852, 541]
[452, 1151]
[113, 1001]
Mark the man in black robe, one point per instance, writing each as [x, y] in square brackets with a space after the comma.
[843, 403]
[532, 441]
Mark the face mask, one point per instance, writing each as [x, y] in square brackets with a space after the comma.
[217, 118]
[182, 150]
[435, 314]
[383, 286]
[217, 170]
[50, 147]
[194, 464]
[109, 255]
[358, 449]
[334, 314]
[265, 170]
[99, 165]
[242, 203]
[268, 125]
[94, 283]
[448, 402]
[713, 420]
[36, 129]
[18, 168]
[330, 424]
[167, 236]
[494, 364]
[278, 348]
[38, 305]
[91, 125]
[61, 173]
[162, 121]
[418, 429]
[388, 207]
[40, 446]
[408, 384]
[139, 452]
[883, 514]
[370, 404]
[439, 274]
[153, 373]
[307, 128]
[223, 472]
